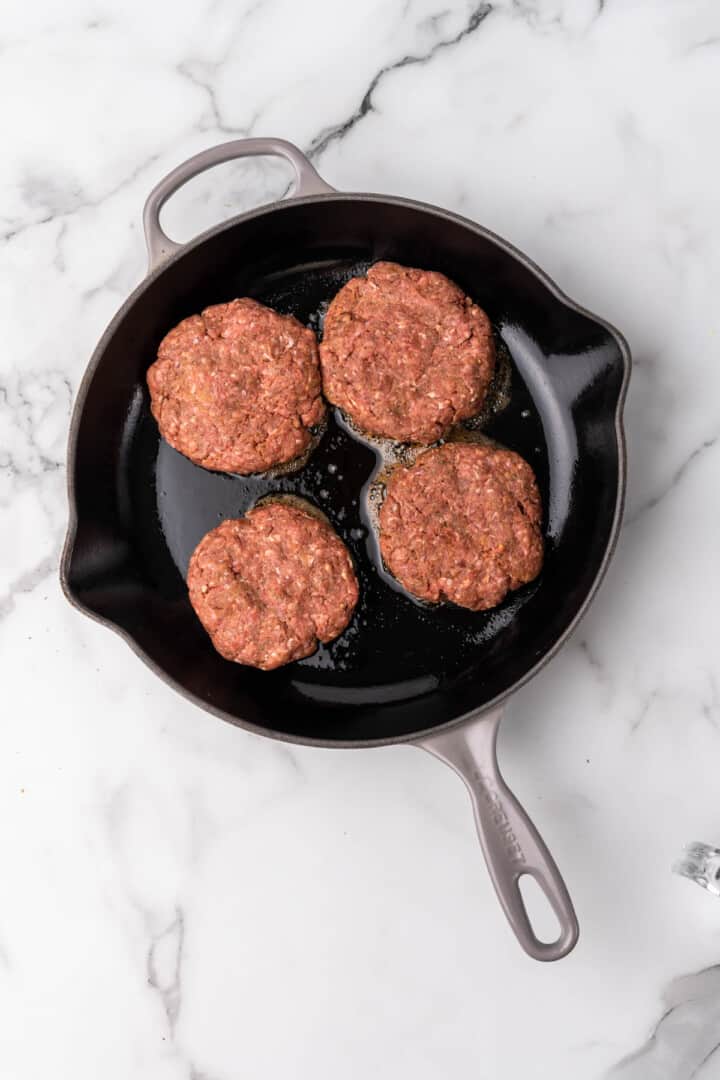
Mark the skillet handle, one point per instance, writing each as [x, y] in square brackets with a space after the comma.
[307, 182]
[511, 844]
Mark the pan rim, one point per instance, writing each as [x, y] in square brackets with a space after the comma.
[271, 208]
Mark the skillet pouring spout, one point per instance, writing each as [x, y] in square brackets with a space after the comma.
[511, 844]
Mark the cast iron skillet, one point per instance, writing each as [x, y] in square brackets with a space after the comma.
[401, 672]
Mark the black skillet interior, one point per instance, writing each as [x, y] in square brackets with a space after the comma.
[399, 667]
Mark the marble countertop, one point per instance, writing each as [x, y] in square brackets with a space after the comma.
[183, 901]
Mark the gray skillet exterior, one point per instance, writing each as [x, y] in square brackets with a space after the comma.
[467, 741]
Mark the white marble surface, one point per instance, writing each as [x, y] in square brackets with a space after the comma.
[182, 901]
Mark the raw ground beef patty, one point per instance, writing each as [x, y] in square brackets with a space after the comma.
[462, 524]
[237, 388]
[268, 587]
[405, 354]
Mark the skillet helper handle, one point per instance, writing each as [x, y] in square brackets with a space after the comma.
[307, 182]
[511, 844]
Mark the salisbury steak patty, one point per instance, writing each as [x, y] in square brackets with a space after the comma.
[463, 524]
[405, 353]
[237, 388]
[270, 586]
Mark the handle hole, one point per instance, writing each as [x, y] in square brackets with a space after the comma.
[543, 919]
[223, 192]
